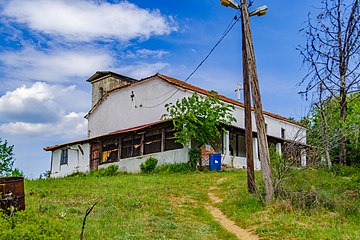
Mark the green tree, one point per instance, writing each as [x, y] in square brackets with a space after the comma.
[6, 158]
[199, 119]
[324, 124]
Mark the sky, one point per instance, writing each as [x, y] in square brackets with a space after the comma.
[48, 48]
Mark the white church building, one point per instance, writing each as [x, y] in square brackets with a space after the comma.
[125, 128]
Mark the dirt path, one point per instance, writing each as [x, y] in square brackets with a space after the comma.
[228, 224]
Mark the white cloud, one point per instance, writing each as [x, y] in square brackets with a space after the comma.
[144, 53]
[45, 110]
[35, 104]
[70, 126]
[80, 20]
[142, 70]
[55, 66]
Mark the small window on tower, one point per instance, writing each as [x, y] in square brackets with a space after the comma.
[283, 133]
[101, 92]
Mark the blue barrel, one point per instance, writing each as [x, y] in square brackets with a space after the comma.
[215, 162]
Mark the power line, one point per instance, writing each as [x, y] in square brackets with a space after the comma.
[232, 23]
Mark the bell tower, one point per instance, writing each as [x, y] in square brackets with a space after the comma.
[105, 81]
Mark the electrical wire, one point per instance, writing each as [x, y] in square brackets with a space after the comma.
[232, 23]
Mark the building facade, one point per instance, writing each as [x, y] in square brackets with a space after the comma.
[125, 127]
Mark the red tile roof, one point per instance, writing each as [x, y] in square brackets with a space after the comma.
[223, 98]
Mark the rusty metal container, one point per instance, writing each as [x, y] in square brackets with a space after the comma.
[12, 193]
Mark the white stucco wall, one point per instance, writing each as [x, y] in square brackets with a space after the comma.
[119, 111]
[76, 161]
[132, 165]
[233, 161]
[292, 131]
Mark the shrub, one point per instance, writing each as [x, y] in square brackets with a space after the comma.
[112, 170]
[149, 165]
[195, 155]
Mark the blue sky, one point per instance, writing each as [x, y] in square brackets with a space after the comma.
[49, 48]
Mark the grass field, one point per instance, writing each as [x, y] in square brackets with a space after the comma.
[172, 206]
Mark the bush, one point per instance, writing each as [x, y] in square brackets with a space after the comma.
[112, 170]
[314, 189]
[195, 155]
[149, 165]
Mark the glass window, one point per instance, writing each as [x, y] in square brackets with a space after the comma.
[152, 142]
[110, 151]
[64, 157]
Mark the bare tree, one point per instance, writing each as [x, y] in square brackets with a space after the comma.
[324, 125]
[332, 55]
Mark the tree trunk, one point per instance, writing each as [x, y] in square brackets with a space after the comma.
[343, 109]
[342, 73]
[325, 137]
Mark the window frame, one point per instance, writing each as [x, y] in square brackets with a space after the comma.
[152, 141]
[64, 157]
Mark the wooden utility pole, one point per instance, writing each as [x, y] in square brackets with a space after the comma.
[247, 118]
[260, 122]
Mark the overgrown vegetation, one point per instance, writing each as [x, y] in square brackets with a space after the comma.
[149, 165]
[323, 130]
[312, 204]
[300, 188]
[279, 167]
